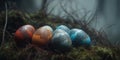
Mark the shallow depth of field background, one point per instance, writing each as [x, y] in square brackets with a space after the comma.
[105, 12]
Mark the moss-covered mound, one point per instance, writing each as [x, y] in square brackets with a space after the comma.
[11, 52]
[101, 48]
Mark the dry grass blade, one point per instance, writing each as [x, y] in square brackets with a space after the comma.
[6, 20]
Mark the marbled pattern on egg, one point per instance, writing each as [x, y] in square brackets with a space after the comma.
[61, 40]
[79, 37]
[42, 36]
[63, 27]
[24, 34]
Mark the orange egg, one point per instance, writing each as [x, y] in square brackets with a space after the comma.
[42, 36]
[24, 34]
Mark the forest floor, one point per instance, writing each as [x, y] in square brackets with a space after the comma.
[101, 48]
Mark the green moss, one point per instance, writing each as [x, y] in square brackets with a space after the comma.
[11, 52]
[92, 54]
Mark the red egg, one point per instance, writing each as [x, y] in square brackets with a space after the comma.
[42, 36]
[24, 34]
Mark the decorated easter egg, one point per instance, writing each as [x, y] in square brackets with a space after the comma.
[24, 34]
[79, 37]
[42, 36]
[63, 27]
[61, 40]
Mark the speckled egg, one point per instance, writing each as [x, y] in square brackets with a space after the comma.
[42, 36]
[63, 27]
[79, 37]
[61, 40]
[24, 34]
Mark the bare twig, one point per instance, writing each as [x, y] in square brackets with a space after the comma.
[92, 17]
[45, 4]
[67, 11]
[107, 27]
[6, 20]
[51, 10]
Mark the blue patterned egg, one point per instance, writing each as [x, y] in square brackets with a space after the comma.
[63, 27]
[79, 37]
[61, 40]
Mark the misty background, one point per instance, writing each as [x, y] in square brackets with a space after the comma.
[106, 12]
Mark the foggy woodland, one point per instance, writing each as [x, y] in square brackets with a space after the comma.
[105, 13]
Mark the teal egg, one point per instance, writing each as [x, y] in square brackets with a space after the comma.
[61, 40]
[63, 27]
[79, 37]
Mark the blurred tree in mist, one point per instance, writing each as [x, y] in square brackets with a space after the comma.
[2, 5]
[110, 11]
[101, 4]
[118, 6]
[26, 5]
